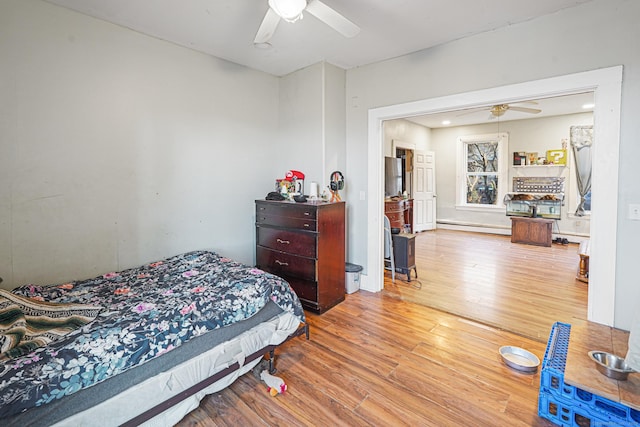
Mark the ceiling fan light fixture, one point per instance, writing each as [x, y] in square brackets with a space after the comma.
[499, 110]
[289, 10]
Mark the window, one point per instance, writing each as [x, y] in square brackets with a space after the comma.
[482, 171]
[587, 202]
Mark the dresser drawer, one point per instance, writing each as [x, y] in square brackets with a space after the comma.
[283, 221]
[395, 216]
[289, 210]
[305, 289]
[285, 264]
[297, 243]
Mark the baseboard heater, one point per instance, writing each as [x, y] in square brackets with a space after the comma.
[476, 227]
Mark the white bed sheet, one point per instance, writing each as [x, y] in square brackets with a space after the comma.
[161, 387]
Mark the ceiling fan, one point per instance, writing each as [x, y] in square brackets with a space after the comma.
[499, 110]
[291, 11]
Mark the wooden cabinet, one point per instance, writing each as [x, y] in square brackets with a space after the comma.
[400, 213]
[531, 231]
[404, 254]
[304, 243]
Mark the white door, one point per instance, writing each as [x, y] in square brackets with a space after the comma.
[424, 195]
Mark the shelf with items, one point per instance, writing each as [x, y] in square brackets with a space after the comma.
[539, 166]
[551, 157]
[539, 170]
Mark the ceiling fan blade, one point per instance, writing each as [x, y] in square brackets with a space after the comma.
[525, 110]
[473, 110]
[332, 18]
[268, 27]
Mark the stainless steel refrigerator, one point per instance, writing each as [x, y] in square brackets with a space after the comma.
[392, 176]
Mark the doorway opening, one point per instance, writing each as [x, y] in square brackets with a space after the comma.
[606, 84]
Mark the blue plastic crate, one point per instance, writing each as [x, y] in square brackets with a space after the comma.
[562, 413]
[569, 402]
[566, 413]
[554, 361]
[606, 407]
[555, 356]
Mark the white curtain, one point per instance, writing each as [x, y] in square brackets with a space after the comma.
[581, 141]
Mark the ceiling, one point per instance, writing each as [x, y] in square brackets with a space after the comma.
[226, 28]
[552, 106]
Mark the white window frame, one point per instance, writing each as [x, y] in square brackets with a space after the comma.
[502, 139]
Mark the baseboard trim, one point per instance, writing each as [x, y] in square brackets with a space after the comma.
[498, 229]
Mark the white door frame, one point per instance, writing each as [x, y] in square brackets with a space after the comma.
[607, 85]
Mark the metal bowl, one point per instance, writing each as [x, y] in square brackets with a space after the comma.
[519, 358]
[611, 365]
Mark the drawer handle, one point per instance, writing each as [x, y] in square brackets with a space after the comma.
[306, 225]
[281, 263]
[307, 213]
[284, 242]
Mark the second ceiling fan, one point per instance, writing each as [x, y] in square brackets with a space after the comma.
[499, 110]
[291, 11]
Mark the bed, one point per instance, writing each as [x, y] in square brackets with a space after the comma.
[143, 345]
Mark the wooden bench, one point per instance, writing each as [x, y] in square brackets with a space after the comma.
[583, 266]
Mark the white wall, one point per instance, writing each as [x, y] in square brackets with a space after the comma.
[311, 124]
[334, 87]
[559, 44]
[531, 135]
[117, 148]
[300, 124]
[405, 131]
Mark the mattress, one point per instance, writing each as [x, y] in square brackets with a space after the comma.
[217, 311]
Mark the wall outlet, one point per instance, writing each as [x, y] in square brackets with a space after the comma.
[634, 211]
[362, 195]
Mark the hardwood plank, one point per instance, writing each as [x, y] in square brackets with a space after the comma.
[521, 288]
[426, 356]
[378, 360]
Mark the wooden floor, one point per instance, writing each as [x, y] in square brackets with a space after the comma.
[388, 359]
[485, 277]
[378, 360]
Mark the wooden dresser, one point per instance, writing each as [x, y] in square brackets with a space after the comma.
[400, 213]
[304, 243]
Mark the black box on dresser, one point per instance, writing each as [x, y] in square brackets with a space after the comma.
[304, 243]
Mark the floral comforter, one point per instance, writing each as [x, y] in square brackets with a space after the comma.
[147, 311]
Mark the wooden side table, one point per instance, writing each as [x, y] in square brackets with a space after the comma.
[531, 231]
[583, 266]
